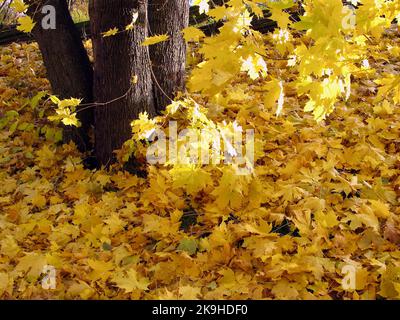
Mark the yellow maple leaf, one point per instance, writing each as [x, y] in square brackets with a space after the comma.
[73, 102]
[192, 34]
[131, 281]
[229, 191]
[218, 12]
[191, 178]
[155, 39]
[38, 200]
[111, 32]
[228, 279]
[32, 264]
[381, 209]
[19, 6]
[26, 24]
[114, 224]
[388, 85]
[101, 269]
[4, 282]
[281, 17]
[275, 95]
[189, 293]
[283, 289]
[81, 289]
[9, 246]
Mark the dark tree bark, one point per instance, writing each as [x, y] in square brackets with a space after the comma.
[68, 67]
[118, 60]
[169, 57]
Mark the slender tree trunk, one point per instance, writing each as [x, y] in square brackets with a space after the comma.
[169, 57]
[119, 60]
[68, 67]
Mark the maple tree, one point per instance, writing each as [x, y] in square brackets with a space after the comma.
[126, 77]
[321, 92]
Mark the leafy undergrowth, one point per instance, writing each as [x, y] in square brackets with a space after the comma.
[323, 196]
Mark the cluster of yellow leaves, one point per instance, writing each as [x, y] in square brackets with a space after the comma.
[66, 111]
[323, 195]
[25, 23]
[324, 49]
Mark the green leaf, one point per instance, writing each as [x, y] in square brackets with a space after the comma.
[188, 245]
[36, 99]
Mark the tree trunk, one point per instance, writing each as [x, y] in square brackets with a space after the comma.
[169, 57]
[118, 60]
[68, 67]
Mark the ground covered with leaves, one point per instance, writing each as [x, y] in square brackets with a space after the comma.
[323, 196]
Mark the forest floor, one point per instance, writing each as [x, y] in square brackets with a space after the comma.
[324, 199]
